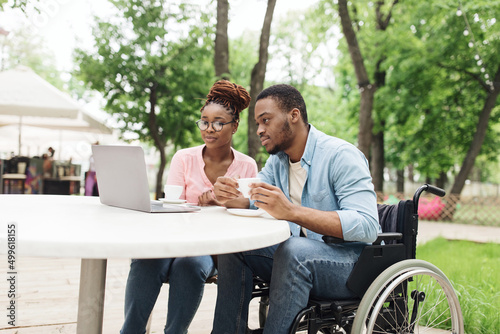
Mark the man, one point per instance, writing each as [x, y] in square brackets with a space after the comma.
[322, 186]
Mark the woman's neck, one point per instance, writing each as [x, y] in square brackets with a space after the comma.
[218, 154]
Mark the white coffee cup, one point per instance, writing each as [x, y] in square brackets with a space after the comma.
[244, 185]
[172, 192]
[21, 167]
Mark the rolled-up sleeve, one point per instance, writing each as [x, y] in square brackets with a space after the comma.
[356, 197]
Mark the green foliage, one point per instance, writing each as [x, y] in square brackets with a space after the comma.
[303, 49]
[242, 58]
[243, 55]
[302, 55]
[23, 47]
[152, 52]
[325, 115]
[22, 4]
[447, 97]
[298, 70]
[433, 68]
[473, 270]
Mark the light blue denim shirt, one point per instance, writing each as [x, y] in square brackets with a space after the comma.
[338, 179]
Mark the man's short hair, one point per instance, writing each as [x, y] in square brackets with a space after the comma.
[287, 97]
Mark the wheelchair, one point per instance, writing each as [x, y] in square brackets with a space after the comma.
[393, 291]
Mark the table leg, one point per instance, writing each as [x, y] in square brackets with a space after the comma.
[91, 297]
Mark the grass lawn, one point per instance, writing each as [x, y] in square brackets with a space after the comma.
[474, 270]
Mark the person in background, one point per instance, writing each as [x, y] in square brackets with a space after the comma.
[322, 186]
[48, 160]
[91, 178]
[51, 152]
[196, 169]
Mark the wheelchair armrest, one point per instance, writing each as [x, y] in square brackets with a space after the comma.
[387, 236]
[333, 240]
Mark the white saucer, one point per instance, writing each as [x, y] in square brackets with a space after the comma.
[172, 201]
[245, 212]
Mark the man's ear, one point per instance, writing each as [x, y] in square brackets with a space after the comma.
[295, 115]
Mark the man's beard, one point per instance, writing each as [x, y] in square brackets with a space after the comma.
[286, 139]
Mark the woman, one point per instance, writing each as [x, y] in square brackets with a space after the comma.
[196, 169]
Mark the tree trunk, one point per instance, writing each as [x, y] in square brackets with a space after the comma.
[475, 147]
[257, 82]
[221, 56]
[378, 163]
[478, 138]
[441, 181]
[366, 88]
[411, 173]
[400, 181]
[159, 142]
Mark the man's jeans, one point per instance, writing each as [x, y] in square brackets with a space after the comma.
[186, 277]
[301, 267]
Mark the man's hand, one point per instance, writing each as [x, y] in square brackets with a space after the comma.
[272, 200]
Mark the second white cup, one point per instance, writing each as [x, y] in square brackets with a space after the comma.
[172, 192]
[243, 185]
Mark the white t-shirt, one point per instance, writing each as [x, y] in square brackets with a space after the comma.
[297, 180]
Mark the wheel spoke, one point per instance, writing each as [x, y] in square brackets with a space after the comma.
[412, 296]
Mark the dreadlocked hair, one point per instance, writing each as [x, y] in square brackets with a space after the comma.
[231, 96]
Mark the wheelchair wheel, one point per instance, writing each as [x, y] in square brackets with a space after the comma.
[411, 296]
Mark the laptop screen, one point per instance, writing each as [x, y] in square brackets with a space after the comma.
[122, 177]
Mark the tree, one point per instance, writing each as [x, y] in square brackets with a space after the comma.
[303, 54]
[243, 51]
[366, 88]
[446, 78]
[490, 102]
[303, 50]
[153, 64]
[370, 138]
[425, 70]
[487, 61]
[476, 62]
[221, 54]
[257, 82]
[22, 47]
[22, 4]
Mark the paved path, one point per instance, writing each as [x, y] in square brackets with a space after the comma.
[429, 230]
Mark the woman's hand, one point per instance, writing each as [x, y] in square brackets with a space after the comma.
[207, 199]
[227, 193]
[226, 189]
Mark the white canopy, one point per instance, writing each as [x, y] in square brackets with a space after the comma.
[24, 93]
[30, 102]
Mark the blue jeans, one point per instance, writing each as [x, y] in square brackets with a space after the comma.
[186, 277]
[297, 268]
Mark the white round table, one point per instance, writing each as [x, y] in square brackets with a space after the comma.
[82, 227]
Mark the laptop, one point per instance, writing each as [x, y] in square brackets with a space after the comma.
[123, 182]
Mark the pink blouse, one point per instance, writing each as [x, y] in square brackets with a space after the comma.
[187, 169]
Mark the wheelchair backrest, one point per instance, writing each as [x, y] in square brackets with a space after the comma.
[401, 218]
[396, 218]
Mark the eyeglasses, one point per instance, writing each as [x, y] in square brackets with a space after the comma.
[217, 126]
